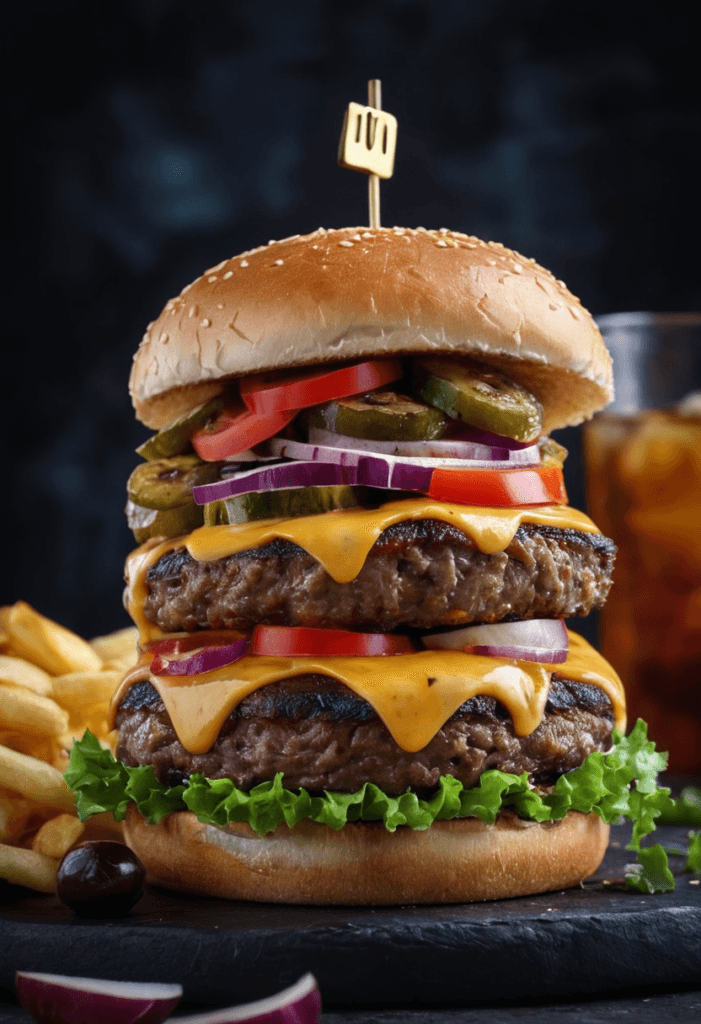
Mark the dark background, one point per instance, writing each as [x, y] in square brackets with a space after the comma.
[153, 138]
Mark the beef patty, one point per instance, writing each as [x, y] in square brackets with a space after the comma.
[419, 574]
[321, 735]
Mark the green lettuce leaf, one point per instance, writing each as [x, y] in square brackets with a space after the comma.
[686, 810]
[693, 854]
[619, 784]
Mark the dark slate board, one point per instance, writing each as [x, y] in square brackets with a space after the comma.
[560, 945]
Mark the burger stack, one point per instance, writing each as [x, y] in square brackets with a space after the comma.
[356, 556]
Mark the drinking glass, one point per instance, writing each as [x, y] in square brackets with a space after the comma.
[643, 476]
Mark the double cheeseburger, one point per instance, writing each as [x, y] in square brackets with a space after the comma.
[356, 555]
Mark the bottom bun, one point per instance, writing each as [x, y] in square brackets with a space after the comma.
[451, 862]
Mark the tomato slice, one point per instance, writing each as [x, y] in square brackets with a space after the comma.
[268, 393]
[236, 429]
[304, 642]
[501, 488]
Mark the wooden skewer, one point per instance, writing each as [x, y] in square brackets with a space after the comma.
[374, 100]
[368, 142]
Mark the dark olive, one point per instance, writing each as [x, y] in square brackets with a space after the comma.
[100, 879]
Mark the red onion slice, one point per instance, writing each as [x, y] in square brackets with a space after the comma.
[299, 450]
[279, 477]
[299, 1004]
[541, 654]
[543, 640]
[463, 432]
[56, 999]
[205, 660]
[442, 449]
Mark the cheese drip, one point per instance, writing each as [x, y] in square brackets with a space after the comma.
[341, 541]
[413, 694]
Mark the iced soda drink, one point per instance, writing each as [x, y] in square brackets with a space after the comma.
[644, 489]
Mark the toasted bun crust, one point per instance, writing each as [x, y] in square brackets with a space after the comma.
[357, 292]
[452, 862]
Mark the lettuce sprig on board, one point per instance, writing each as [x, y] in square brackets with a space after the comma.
[619, 784]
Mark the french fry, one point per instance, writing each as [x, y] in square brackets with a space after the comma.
[20, 817]
[45, 643]
[53, 685]
[79, 690]
[57, 835]
[119, 646]
[27, 711]
[27, 867]
[43, 747]
[18, 672]
[35, 779]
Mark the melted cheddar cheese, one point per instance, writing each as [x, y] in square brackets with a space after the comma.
[413, 694]
[340, 541]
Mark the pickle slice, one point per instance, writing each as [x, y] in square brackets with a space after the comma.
[175, 439]
[480, 396]
[168, 483]
[286, 504]
[146, 523]
[381, 416]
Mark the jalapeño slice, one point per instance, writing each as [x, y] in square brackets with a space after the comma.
[381, 416]
[286, 504]
[480, 396]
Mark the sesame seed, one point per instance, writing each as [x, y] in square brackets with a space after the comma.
[278, 263]
[356, 238]
[243, 263]
[220, 305]
[193, 311]
[228, 274]
[206, 323]
[212, 278]
[348, 245]
[315, 247]
[368, 234]
[441, 243]
[163, 338]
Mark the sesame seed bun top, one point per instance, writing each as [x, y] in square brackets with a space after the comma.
[360, 292]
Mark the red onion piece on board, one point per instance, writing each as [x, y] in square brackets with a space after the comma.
[299, 1004]
[56, 999]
